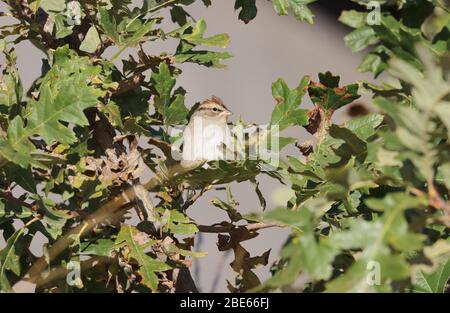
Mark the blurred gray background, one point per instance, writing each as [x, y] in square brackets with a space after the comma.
[269, 47]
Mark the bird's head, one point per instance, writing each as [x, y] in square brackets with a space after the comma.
[213, 109]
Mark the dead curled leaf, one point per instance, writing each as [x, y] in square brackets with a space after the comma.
[115, 169]
[306, 148]
[314, 120]
[242, 263]
[141, 238]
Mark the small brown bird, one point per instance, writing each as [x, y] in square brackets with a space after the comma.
[207, 132]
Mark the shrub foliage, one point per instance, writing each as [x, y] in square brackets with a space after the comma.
[372, 193]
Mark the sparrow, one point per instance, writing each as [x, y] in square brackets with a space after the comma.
[207, 135]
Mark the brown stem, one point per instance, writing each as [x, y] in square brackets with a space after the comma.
[195, 197]
[435, 198]
[325, 121]
[228, 228]
[9, 197]
[61, 271]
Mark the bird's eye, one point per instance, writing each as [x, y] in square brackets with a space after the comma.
[215, 110]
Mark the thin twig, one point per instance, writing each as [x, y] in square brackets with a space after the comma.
[9, 197]
[195, 197]
[434, 198]
[162, 5]
[228, 228]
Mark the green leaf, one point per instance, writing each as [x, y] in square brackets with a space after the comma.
[415, 119]
[444, 174]
[63, 95]
[138, 35]
[12, 149]
[23, 177]
[304, 252]
[441, 42]
[10, 258]
[415, 13]
[308, 170]
[101, 247]
[327, 94]
[317, 256]
[435, 281]
[375, 62]
[62, 30]
[108, 24]
[202, 57]
[68, 105]
[354, 19]
[53, 5]
[196, 37]
[375, 239]
[179, 223]
[286, 112]
[11, 89]
[443, 111]
[396, 201]
[177, 112]
[172, 108]
[364, 127]
[233, 214]
[354, 145]
[91, 42]
[361, 38]
[174, 249]
[294, 219]
[54, 219]
[147, 265]
[299, 7]
[164, 84]
[112, 111]
[8, 211]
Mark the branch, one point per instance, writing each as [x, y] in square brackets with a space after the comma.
[62, 271]
[165, 148]
[110, 208]
[9, 197]
[162, 5]
[436, 200]
[194, 198]
[226, 229]
[33, 207]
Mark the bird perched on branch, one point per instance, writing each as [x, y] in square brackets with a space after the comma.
[207, 134]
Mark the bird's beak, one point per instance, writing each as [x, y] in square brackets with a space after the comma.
[227, 113]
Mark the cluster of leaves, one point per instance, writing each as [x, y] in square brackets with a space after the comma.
[394, 30]
[373, 195]
[248, 9]
[370, 194]
[71, 148]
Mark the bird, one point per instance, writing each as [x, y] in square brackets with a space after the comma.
[207, 135]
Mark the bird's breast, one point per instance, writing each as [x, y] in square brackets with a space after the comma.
[205, 142]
